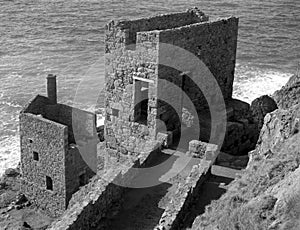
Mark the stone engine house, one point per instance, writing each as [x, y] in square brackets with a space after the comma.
[135, 111]
[58, 150]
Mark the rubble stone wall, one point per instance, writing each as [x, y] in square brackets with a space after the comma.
[96, 203]
[214, 43]
[49, 141]
[93, 207]
[81, 124]
[46, 132]
[122, 131]
[80, 167]
[180, 200]
[132, 55]
[81, 154]
[160, 22]
[169, 105]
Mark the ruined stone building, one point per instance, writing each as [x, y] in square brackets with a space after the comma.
[140, 106]
[58, 150]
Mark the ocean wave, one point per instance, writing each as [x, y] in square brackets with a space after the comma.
[252, 82]
[9, 153]
[10, 104]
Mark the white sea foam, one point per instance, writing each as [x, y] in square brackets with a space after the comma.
[10, 104]
[9, 153]
[251, 83]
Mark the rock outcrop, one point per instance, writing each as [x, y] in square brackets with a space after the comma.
[266, 195]
[289, 94]
[11, 172]
[260, 107]
[278, 127]
[241, 131]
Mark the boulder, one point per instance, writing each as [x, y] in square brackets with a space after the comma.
[10, 172]
[289, 94]
[260, 107]
[3, 183]
[241, 109]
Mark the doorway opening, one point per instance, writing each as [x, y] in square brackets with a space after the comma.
[141, 99]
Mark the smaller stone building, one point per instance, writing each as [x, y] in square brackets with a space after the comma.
[58, 150]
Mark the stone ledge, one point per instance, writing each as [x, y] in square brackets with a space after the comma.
[181, 196]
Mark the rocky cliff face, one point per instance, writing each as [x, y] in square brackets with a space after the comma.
[289, 94]
[267, 194]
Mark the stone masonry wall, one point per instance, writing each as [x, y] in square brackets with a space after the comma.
[169, 105]
[81, 155]
[96, 203]
[160, 22]
[122, 67]
[81, 124]
[214, 43]
[131, 55]
[76, 162]
[183, 197]
[49, 141]
[92, 207]
[77, 165]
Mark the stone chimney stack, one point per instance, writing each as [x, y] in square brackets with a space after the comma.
[51, 88]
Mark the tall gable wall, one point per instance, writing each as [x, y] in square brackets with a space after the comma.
[214, 43]
[122, 67]
[49, 140]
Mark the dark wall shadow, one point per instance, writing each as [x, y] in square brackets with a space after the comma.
[210, 190]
